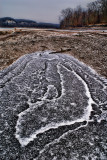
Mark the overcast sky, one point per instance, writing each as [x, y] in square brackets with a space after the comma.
[39, 10]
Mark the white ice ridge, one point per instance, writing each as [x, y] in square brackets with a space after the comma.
[100, 80]
[58, 139]
[87, 112]
[25, 141]
[90, 101]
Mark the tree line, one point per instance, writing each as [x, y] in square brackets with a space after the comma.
[96, 13]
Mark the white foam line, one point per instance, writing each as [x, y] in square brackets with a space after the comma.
[87, 113]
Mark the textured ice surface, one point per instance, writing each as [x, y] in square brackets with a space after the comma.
[52, 107]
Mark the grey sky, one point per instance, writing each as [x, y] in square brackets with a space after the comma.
[39, 10]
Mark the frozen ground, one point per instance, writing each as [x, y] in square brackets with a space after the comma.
[52, 107]
[89, 47]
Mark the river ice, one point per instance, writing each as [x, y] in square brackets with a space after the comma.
[52, 107]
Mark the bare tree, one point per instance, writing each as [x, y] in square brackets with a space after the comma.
[96, 13]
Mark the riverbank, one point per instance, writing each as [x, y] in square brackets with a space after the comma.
[89, 46]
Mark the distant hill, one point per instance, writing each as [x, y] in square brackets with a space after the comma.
[11, 22]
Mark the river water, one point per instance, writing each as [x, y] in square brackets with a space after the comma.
[73, 30]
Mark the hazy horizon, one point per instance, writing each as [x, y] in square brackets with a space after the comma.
[38, 10]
